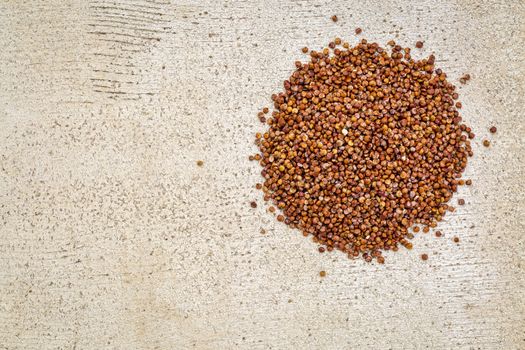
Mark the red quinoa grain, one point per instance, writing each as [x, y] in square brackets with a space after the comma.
[362, 145]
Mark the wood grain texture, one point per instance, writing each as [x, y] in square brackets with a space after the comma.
[113, 238]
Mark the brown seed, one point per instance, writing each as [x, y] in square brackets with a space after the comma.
[461, 201]
[304, 49]
[337, 41]
[458, 105]
[352, 167]
[419, 44]
[486, 143]
[265, 110]
[253, 204]
[438, 234]
[456, 240]
[200, 163]
[426, 229]
[263, 231]
[271, 209]
[468, 182]
[358, 31]
[380, 260]
[424, 257]
[493, 129]
[321, 249]
[258, 186]
[322, 273]
[334, 18]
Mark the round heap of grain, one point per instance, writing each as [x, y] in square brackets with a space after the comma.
[363, 143]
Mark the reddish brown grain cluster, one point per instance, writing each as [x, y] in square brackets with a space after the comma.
[363, 143]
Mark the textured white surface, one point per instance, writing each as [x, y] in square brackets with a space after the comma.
[112, 237]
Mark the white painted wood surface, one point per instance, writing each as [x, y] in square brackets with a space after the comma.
[112, 238]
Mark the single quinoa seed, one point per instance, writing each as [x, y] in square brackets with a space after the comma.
[322, 273]
[456, 240]
[424, 257]
[461, 201]
[358, 31]
[486, 143]
[419, 44]
[304, 49]
[334, 18]
[253, 204]
[200, 163]
[493, 129]
[438, 234]
[363, 144]
[468, 182]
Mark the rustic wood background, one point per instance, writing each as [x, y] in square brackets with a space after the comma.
[111, 236]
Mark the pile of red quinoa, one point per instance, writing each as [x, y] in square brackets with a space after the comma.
[363, 143]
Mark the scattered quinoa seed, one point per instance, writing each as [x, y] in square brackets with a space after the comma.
[253, 204]
[358, 31]
[461, 201]
[493, 129]
[322, 273]
[486, 143]
[468, 182]
[304, 49]
[438, 234]
[200, 163]
[419, 44]
[456, 240]
[424, 257]
[334, 18]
